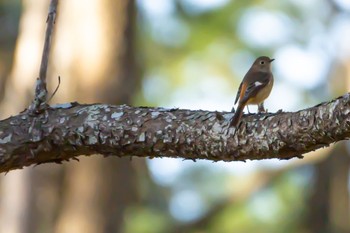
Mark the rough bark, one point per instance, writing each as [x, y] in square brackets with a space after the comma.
[66, 131]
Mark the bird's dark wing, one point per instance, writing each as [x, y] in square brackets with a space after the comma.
[239, 92]
[258, 82]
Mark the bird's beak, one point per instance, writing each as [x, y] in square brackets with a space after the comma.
[271, 60]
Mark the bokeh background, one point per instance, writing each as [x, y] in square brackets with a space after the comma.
[185, 54]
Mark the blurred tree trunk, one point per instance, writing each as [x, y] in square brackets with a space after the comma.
[98, 190]
[9, 17]
[94, 54]
[339, 190]
[18, 189]
[329, 201]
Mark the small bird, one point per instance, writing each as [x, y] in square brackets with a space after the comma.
[255, 87]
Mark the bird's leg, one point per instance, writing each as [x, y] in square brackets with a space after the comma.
[261, 108]
[248, 109]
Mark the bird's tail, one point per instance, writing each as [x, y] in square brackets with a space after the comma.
[237, 117]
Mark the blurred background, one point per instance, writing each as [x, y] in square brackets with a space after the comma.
[185, 54]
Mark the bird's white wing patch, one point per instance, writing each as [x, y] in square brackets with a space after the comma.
[257, 83]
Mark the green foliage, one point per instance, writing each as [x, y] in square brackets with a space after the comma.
[145, 220]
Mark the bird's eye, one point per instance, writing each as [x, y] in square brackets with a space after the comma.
[262, 62]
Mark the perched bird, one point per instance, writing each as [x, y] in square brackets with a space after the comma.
[255, 87]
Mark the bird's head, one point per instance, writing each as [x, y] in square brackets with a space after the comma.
[263, 64]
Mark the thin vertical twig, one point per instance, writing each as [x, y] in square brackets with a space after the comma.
[41, 89]
[46, 51]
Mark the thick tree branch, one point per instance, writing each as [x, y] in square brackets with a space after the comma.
[66, 131]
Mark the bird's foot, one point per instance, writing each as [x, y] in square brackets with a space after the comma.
[261, 109]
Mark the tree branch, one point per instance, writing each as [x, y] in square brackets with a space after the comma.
[63, 132]
[41, 89]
